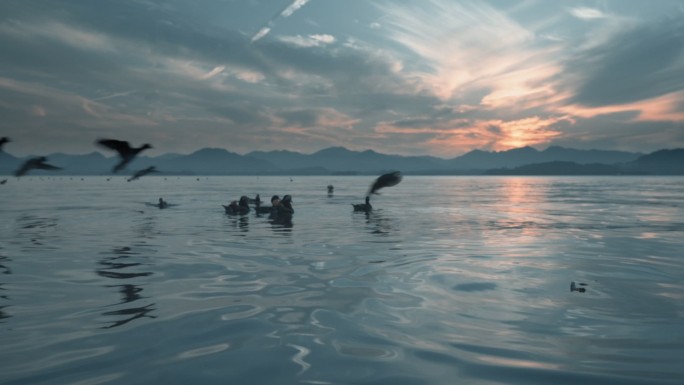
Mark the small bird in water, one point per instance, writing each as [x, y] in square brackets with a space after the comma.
[574, 287]
[126, 152]
[331, 189]
[256, 201]
[364, 207]
[275, 201]
[240, 208]
[142, 172]
[4, 140]
[35, 163]
[285, 206]
[384, 180]
[163, 204]
[3, 181]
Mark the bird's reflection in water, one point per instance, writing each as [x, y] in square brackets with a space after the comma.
[4, 269]
[379, 223]
[118, 266]
[239, 222]
[281, 224]
[146, 228]
[40, 231]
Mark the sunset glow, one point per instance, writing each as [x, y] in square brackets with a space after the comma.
[313, 74]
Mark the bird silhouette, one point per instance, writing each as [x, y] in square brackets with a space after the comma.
[35, 163]
[385, 180]
[4, 140]
[240, 208]
[365, 207]
[142, 172]
[275, 201]
[126, 152]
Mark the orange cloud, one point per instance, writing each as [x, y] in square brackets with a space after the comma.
[461, 135]
[662, 108]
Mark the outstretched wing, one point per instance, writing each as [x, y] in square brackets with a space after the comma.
[120, 146]
[385, 180]
[45, 166]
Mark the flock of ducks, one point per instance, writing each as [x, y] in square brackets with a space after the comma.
[126, 153]
[278, 208]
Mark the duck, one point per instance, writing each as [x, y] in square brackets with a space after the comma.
[235, 207]
[275, 201]
[163, 204]
[124, 149]
[363, 207]
[142, 172]
[256, 200]
[34, 163]
[285, 206]
[331, 189]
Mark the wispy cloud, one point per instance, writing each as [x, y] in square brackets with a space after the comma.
[586, 13]
[309, 41]
[293, 7]
[288, 11]
[464, 43]
[217, 70]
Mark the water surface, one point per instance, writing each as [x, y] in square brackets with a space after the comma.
[449, 280]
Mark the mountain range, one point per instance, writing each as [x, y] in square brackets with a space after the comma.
[338, 160]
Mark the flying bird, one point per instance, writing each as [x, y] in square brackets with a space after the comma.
[385, 180]
[126, 152]
[142, 172]
[35, 163]
[3, 140]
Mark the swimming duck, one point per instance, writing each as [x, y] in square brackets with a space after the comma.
[285, 206]
[331, 189]
[126, 152]
[163, 204]
[35, 163]
[256, 200]
[142, 172]
[240, 208]
[364, 207]
[275, 201]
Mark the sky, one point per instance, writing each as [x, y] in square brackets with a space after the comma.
[408, 77]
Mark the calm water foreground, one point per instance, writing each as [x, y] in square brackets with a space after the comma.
[451, 280]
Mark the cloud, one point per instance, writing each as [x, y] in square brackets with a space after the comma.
[217, 70]
[309, 41]
[288, 11]
[292, 8]
[640, 63]
[263, 31]
[586, 13]
[463, 46]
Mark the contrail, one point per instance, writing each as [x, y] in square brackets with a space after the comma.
[285, 12]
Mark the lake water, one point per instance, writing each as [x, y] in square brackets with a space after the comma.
[450, 280]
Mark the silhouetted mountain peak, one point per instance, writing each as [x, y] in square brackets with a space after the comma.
[663, 156]
[521, 150]
[332, 151]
